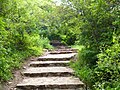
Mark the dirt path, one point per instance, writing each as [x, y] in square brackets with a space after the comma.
[50, 72]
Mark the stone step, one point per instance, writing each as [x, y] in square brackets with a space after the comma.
[48, 71]
[57, 57]
[69, 49]
[48, 63]
[60, 52]
[53, 83]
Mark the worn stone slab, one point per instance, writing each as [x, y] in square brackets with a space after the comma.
[48, 71]
[59, 57]
[53, 83]
[60, 52]
[53, 89]
[48, 63]
[69, 49]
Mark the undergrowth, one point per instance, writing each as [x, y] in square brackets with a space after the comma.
[14, 48]
[103, 74]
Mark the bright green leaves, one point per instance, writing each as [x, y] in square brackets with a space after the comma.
[4, 66]
[99, 33]
[20, 23]
[108, 68]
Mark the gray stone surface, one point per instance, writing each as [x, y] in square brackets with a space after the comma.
[48, 71]
[51, 82]
[61, 52]
[69, 49]
[48, 63]
[57, 56]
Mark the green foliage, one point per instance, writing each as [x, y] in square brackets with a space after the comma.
[99, 34]
[3, 50]
[12, 56]
[83, 72]
[61, 23]
[79, 47]
[19, 34]
[107, 72]
[88, 57]
[94, 24]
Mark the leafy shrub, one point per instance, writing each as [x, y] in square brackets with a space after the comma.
[105, 75]
[83, 72]
[19, 34]
[107, 72]
[14, 48]
[4, 66]
[13, 57]
[99, 21]
[88, 56]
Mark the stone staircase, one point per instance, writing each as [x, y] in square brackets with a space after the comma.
[51, 72]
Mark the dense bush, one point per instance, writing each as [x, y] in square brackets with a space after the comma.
[19, 34]
[83, 72]
[13, 54]
[107, 72]
[99, 34]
